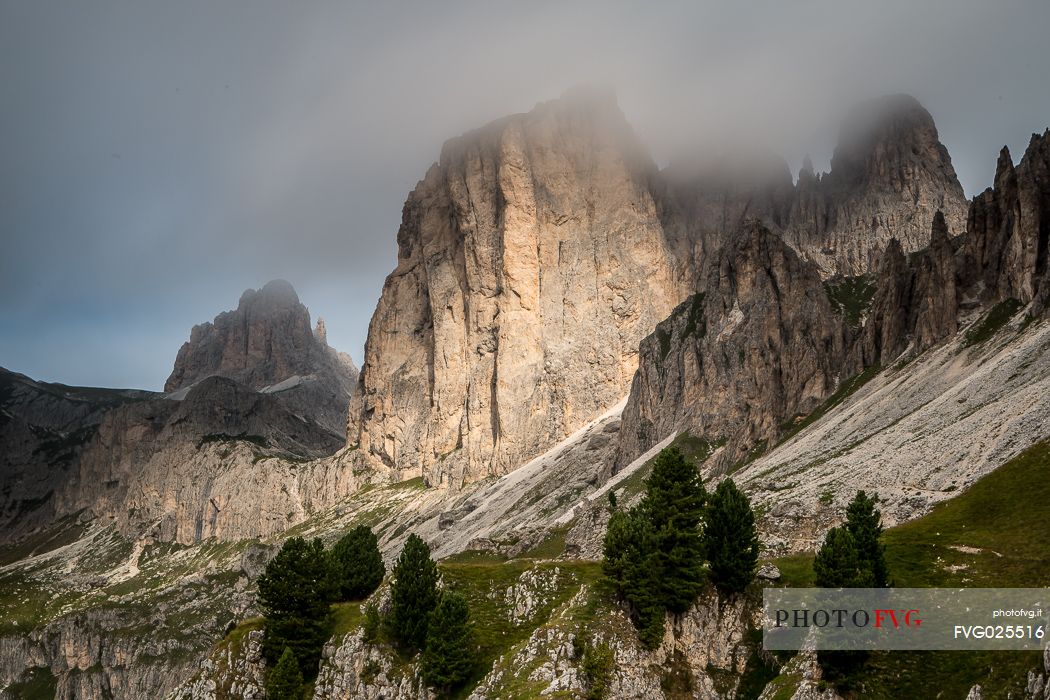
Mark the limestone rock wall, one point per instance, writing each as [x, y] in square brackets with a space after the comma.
[224, 462]
[1002, 256]
[756, 345]
[1005, 253]
[531, 262]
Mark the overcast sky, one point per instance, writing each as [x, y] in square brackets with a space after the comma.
[157, 158]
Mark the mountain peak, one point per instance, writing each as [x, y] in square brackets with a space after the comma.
[880, 135]
[274, 293]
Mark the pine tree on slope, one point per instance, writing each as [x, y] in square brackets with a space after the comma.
[413, 594]
[731, 538]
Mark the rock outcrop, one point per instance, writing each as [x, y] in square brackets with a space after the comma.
[999, 263]
[252, 395]
[267, 344]
[758, 344]
[709, 196]
[1006, 249]
[889, 175]
[219, 463]
[540, 250]
[43, 430]
[531, 261]
[915, 305]
[976, 282]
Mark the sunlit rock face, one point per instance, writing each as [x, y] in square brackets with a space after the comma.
[531, 262]
[540, 250]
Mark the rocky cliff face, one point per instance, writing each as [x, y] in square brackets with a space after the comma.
[90, 614]
[43, 429]
[541, 249]
[553, 613]
[1008, 238]
[219, 463]
[255, 399]
[976, 281]
[999, 265]
[889, 176]
[267, 344]
[710, 196]
[531, 261]
[758, 344]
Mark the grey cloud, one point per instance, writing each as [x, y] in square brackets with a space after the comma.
[158, 158]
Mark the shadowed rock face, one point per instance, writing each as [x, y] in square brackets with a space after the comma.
[43, 430]
[889, 175]
[1008, 242]
[267, 344]
[1002, 256]
[758, 344]
[916, 303]
[196, 468]
[531, 261]
[711, 195]
[249, 390]
[687, 382]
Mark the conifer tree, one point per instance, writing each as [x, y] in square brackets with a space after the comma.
[357, 565]
[373, 623]
[731, 538]
[674, 504]
[864, 522]
[285, 681]
[629, 552]
[654, 551]
[449, 656]
[413, 594]
[851, 557]
[294, 595]
[837, 564]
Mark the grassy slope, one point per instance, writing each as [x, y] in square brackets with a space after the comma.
[1007, 516]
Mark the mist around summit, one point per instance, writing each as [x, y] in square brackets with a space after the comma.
[474, 352]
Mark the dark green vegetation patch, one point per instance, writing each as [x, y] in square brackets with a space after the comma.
[851, 297]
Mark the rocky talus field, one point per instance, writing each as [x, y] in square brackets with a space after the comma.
[561, 310]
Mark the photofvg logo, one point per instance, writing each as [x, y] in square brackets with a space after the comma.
[842, 618]
[905, 618]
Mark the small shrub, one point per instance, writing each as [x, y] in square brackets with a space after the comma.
[597, 666]
[285, 681]
[370, 671]
[373, 623]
